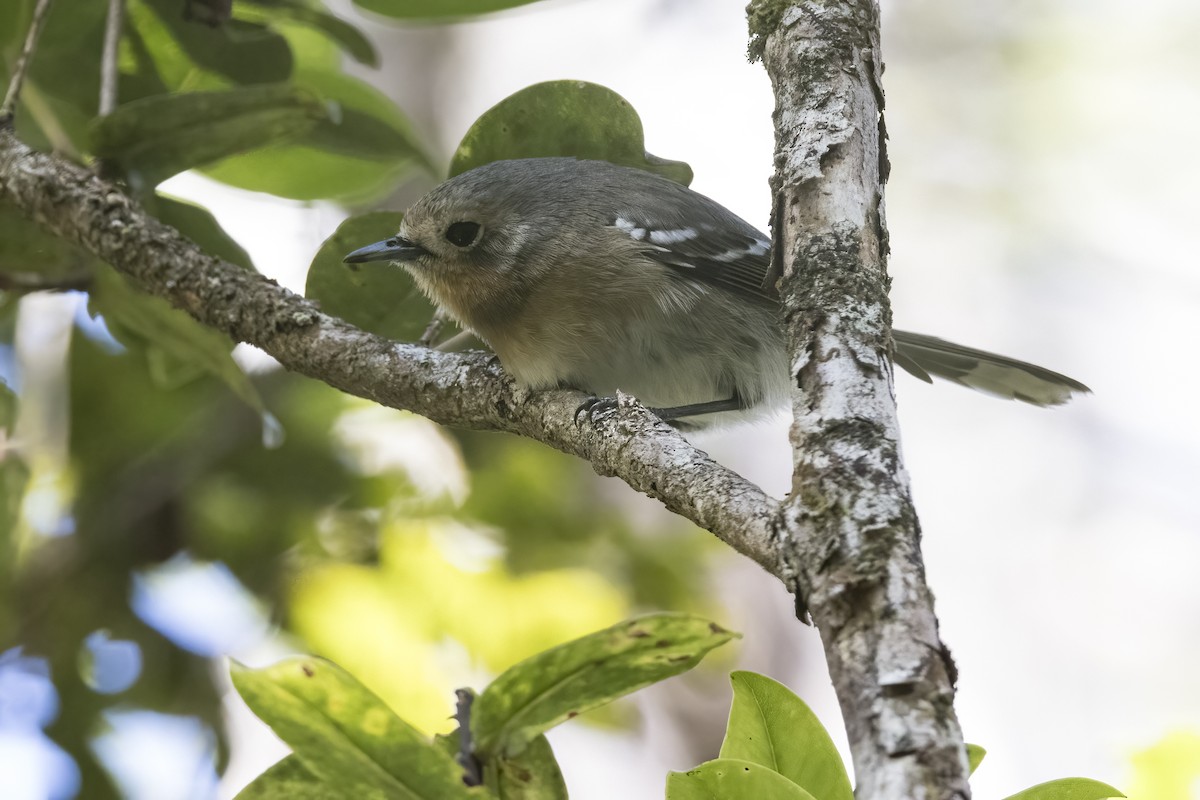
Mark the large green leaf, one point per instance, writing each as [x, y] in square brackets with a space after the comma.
[176, 346]
[313, 15]
[377, 296]
[287, 780]
[771, 726]
[732, 779]
[346, 736]
[359, 152]
[1068, 789]
[557, 684]
[563, 118]
[237, 50]
[533, 775]
[437, 9]
[157, 137]
[975, 755]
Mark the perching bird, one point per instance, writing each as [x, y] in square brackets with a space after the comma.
[598, 277]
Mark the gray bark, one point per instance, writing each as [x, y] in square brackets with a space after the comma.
[851, 536]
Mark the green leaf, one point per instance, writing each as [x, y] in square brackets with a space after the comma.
[26, 247]
[771, 726]
[359, 152]
[345, 736]
[563, 118]
[437, 9]
[377, 296]
[1068, 789]
[196, 223]
[157, 137]
[314, 16]
[176, 346]
[557, 684]
[732, 779]
[533, 775]
[238, 51]
[287, 780]
[975, 755]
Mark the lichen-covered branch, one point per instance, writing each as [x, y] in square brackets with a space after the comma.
[464, 389]
[849, 531]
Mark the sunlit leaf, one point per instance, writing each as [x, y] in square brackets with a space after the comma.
[563, 118]
[176, 346]
[732, 779]
[533, 775]
[287, 780]
[540, 692]
[771, 726]
[345, 736]
[157, 137]
[376, 296]
[975, 755]
[437, 9]
[1068, 789]
[1169, 768]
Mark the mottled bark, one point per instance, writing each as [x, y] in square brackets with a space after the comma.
[849, 533]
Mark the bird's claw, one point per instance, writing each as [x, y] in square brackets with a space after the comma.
[593, 408]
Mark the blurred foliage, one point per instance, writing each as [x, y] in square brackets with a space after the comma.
[420, 559]
[1169, 769]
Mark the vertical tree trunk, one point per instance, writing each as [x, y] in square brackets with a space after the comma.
[849, 528]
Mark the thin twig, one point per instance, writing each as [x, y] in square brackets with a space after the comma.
[9, 106]
[34, 282]
[108, 60]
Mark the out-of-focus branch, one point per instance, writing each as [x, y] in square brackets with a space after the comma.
[13, 95]
[464, 389]
[109, 74]
[849, 532]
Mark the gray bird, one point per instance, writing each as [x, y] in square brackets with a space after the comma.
[598, 277]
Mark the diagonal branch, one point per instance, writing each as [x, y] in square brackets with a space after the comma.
[852, 532]
[463, 389]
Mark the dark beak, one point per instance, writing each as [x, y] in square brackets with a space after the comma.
[394, 249]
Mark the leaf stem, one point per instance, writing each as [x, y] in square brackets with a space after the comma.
[108, 59]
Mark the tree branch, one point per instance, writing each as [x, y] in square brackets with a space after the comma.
[464, 389]
[852, 533]
[9, 107]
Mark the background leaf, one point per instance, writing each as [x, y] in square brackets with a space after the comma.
[540, 692]
[975, 755]
[378, 296]
[437, 9]
[732, 779]
[344, 735]
[157, 137]
[178, 348]
[771, 726]
[314, 15]
[563, 118]
[1068, 789]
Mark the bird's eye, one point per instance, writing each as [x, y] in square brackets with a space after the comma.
[462, 234]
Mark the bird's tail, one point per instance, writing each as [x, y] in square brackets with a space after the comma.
[924, 356]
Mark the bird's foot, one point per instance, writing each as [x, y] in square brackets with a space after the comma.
[593, 409]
